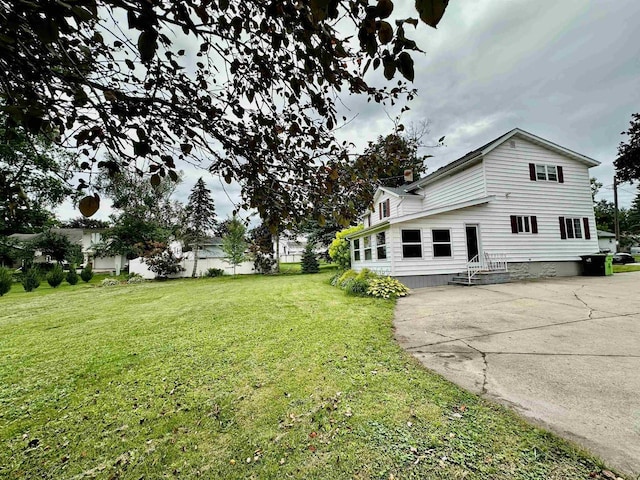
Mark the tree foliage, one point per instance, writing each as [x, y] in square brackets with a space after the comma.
[58, 246]
[84, 222]
[340, 249]
[31, 279]
[256, 98]
[86, 274]
[628, 162]
[309, 262]
[261, 249]
[163, 261]
[234, 243]
[34, 178]
[55, 276]
[6, 281]
[145, 214]
[200, 218]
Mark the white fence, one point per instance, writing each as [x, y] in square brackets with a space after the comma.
[204, 264]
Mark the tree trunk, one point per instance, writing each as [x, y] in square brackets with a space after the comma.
[195, 260]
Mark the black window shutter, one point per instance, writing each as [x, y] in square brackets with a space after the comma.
[563, 228]
[514, 224]
[560, 175]
[380, 210]
[532, 172]
[534, 224]
[388, 207]
[587, 232]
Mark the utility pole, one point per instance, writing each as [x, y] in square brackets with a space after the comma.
[615, 211]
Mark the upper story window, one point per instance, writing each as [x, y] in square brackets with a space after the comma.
[384, 209]
[411, 244]
[546, 173]
[381, 245]
[356, 249]
[441, 243]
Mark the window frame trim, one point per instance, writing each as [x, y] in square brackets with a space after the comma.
[434, 243]
[403, 243]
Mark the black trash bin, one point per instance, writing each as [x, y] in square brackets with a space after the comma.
[594, 265]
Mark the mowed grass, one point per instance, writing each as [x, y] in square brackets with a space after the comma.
[249, 377]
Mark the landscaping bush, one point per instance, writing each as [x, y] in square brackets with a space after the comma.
[55, 276]
[72, 276]
[31, 279]
[386, 287]
[345, 276]
[366, 274]
[164, 264]
[6, 281]
[109, 282]
[356, 286]
[87, 273]
[215, 272]
[333, 281]
[309, 262]
[340, 249]
[135, 278]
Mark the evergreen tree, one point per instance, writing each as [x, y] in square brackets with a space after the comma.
[309, 261]
[234, 243]
[200, 218]
[633, 215]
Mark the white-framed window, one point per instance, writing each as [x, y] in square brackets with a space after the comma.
[574, 227]
[381, 245]
[384, 209]
[356, 249]
[524, 224]
[367, 247]
[441, 242]
[411, 244]
[546, 172]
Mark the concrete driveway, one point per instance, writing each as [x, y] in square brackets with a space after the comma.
[564, 352]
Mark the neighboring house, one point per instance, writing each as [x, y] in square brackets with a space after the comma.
[210, 255]
[291, 247]
[520, 203]
[87, 239]
[606, 241]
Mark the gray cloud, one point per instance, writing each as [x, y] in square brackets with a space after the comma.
[565, 70]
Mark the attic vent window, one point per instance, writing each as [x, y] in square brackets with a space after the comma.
[512, 144]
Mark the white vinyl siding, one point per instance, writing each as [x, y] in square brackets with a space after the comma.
[376, 264]
[508, 179]
[394, 208]
[459, 187]
[409, 205]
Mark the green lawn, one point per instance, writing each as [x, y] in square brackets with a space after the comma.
[625, 268]
[253, 377]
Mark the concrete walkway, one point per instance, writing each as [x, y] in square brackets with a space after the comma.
[564, 352]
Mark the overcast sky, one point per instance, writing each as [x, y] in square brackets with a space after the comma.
[565, 70]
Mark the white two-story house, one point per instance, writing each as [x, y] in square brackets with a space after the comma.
[519, 203]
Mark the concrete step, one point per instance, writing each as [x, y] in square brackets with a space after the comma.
[481, 278]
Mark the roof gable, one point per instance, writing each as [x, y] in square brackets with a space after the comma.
[477, 155]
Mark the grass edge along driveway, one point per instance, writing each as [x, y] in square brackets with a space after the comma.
[249, 377]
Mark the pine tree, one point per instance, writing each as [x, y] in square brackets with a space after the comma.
[309, 261]
[201, 218]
